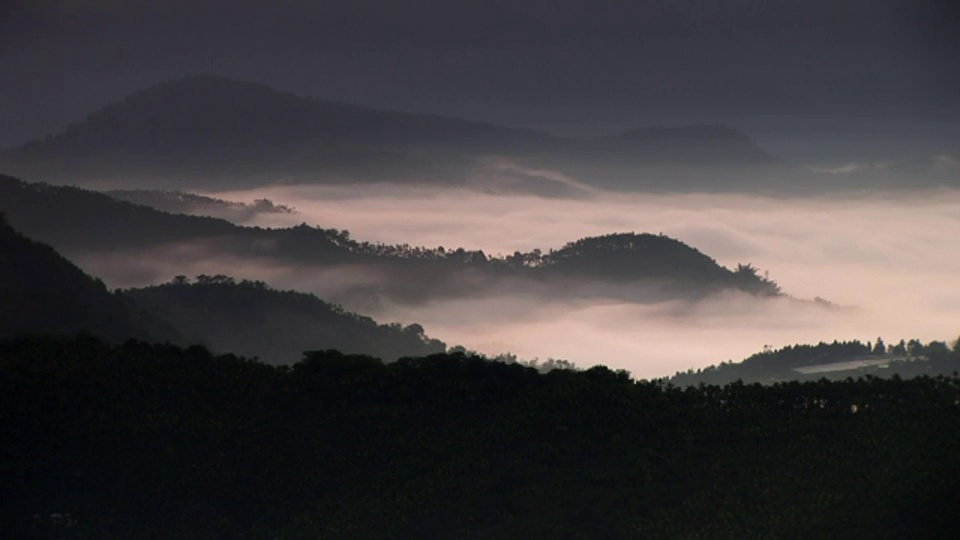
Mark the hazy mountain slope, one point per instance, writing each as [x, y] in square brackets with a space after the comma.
[252, 319]
[72, 217]
[42, 292]
[179, 202]
[206, 131]
[203, 130]
[88, 224]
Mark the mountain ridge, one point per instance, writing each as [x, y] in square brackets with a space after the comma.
[205, 130]
[43, 292]
[83, 222]
[253, 319]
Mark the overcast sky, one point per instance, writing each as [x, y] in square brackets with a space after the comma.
[564, 65]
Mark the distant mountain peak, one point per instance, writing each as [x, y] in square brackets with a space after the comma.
[204, 131]
[209, 86]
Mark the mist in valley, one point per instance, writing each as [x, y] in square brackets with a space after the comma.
[473, 269]
[882, 260]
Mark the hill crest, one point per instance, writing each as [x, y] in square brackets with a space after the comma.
[207, 130]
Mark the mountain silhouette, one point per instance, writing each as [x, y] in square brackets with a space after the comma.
[179, 202]
[642, 267]
[253, 319]
[839, 360]
[208, 131]
[41, 292]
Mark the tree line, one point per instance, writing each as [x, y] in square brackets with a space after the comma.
[907, 358]
[160, 441]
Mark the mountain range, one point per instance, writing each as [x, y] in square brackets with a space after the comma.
[206, 131]
[41, 292]
[106, 233]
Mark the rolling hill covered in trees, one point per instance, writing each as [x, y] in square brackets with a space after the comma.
[252, 319]
[288, 388]
[126, 438]
[837, 360]
[41, 292]
[640, 267]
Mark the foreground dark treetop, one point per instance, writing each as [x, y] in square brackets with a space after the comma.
[157, 441]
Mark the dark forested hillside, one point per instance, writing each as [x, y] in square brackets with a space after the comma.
[70, 218]
[628, 257]
[252, 319]
[83, 223]
[42, 292]
[152, 441]
[837, 360]
[203, 131]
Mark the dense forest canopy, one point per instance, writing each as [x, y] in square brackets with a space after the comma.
[160, 441]
[253, 319]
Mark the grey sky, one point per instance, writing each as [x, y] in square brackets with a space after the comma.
[562, 65]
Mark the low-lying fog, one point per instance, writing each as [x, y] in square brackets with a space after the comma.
[891, 259]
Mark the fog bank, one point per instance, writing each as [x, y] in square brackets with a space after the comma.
[889, 258]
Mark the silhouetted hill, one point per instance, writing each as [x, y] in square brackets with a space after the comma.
[180, 202]
[42, 292]
[252, 319]
[69, 218]
[88, 224]
[206, 131]
[629, 256]
[837, 360]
